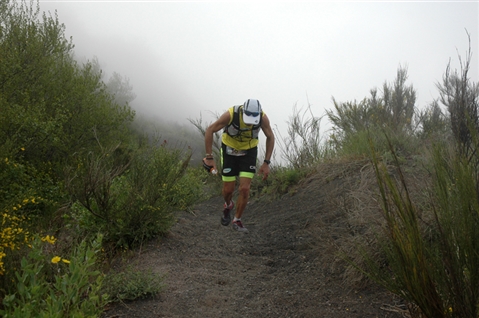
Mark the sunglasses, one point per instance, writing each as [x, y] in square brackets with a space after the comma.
[248, 113]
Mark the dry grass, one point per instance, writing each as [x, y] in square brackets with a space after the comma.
[352, 218]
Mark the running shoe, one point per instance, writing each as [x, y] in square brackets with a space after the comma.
[226, 218]
[238, 226]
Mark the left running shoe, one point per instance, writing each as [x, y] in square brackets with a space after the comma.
[238, 226]
[226, 218]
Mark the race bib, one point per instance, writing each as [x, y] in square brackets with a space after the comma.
[234, 152]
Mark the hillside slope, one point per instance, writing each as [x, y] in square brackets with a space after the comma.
[286, 266]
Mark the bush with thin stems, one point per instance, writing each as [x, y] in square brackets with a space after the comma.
[355, 123]
[430, 255]
[303, 146]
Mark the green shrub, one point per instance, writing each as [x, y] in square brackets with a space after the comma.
[131, 202]
[51, 286]
[131, 284]
[392, 113]
[281, 180]
[28, 201]
[20, 183]
[187, 190]
[51, 105]
[358, 144]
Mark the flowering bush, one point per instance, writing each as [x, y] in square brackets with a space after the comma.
[13, 235]
[74, 290]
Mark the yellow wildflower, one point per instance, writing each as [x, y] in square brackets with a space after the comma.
[56, 259]
[49, 239]
[65, 261]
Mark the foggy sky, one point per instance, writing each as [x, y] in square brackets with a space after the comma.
[185, 59]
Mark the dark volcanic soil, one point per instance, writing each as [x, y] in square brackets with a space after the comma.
[286, 266]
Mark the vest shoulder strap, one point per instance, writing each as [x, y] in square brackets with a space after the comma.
[236, 119]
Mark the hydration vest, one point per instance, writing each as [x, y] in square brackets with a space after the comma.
[235, 131]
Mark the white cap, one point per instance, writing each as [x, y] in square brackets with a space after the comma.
[251, 112]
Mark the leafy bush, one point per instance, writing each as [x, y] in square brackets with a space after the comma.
[52, 286]
[53, 114]
[187, 190]
[28, 191]
[51, 105]
[131, 202]
[28, 199]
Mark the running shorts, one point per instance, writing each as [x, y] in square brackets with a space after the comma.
[242, 165]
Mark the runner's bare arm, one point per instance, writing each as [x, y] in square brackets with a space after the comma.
[220, 123]
[268, 132]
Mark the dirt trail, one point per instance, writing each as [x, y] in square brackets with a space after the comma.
[286, 266]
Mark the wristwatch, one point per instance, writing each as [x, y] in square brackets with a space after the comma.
[267, 161]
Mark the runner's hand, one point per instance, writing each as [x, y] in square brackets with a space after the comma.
[264, 170]
[208, 167]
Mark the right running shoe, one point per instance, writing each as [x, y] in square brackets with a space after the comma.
[238, 226]
[226, 218]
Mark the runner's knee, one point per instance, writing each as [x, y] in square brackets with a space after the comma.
[244, 190]
[228, 187]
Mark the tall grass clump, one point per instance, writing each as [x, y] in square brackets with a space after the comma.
[457, 217]
[430, 252]
[431, 255]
